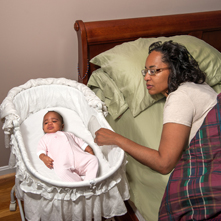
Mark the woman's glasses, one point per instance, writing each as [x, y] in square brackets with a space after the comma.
[152, 72]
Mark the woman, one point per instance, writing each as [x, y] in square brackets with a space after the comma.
[172, 71]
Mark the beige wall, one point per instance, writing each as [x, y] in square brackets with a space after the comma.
[37, 39]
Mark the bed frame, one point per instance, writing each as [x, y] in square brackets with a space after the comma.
[98, 36]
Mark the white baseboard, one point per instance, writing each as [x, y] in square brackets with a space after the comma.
[6, 170]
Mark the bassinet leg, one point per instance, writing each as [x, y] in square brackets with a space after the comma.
[13, 204]
[21, 210]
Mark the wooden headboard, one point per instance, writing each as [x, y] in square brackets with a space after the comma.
[98, 36]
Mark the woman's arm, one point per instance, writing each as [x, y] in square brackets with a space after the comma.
[174, 140]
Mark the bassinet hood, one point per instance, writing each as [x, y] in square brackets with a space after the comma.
[8, 111]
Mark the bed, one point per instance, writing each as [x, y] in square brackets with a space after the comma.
[111, 55]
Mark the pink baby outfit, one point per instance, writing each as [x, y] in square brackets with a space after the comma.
[70, 160]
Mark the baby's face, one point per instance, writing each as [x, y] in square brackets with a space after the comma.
[52, 123]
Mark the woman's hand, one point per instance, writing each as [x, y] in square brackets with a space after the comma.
[47, 161]
[89, 150]
[105, 137]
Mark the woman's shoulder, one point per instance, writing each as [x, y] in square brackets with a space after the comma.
[193, 86]
[197, 96]
[191, 90]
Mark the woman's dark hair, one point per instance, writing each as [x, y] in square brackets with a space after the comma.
[184, 68]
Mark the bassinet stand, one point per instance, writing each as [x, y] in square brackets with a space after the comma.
[13, 204]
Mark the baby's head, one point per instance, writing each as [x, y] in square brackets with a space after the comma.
[52, 122]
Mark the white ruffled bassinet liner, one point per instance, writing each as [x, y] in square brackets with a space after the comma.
[105, 194]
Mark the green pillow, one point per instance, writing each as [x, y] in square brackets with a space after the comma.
[124, 63]
[106, 89]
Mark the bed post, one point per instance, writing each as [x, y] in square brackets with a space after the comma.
[83, 63]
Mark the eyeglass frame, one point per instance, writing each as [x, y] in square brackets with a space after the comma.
[156, 71]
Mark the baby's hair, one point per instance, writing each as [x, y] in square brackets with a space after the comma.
[59, 115]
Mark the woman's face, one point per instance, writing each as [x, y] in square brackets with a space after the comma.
[157, 83]
[52, 123]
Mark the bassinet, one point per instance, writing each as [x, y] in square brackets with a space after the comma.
[45, 196]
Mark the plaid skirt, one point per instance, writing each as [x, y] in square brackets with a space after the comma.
[193, 191]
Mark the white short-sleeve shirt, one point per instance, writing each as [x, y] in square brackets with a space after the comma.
[189, 105]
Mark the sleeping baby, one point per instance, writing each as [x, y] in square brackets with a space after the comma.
[69, 155]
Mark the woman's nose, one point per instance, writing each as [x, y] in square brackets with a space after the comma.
[147, 77]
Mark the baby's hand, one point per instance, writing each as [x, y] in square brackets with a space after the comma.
[89, 150]
[47, 161]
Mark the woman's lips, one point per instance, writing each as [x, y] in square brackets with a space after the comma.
[149, 87]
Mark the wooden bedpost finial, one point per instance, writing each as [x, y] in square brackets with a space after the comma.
[83, 61]
[76, 26]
